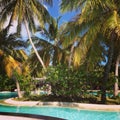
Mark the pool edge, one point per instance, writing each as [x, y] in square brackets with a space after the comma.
[85, 106]
[42, 117]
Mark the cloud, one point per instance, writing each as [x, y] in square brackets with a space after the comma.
[45, 6]
[24, 32]
[12, 28]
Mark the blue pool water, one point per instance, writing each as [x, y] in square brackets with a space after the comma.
[60, 112]
[66, 113]
[98, 93]
[5, 95]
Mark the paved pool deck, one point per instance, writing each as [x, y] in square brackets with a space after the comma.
[3, 117]
[65, 104]
[17, 116]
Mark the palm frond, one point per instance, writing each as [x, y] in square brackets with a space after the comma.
[71, 5]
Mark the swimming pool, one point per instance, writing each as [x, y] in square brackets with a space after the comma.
[97, 93]
[5, 95]
[61, 112]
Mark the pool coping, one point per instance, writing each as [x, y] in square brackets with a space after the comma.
[85, 106]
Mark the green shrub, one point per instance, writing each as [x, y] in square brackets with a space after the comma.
[26, 83]
[6, 84]
[66, 82]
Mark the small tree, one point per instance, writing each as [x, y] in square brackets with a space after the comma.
[6, 84]
[66, 82]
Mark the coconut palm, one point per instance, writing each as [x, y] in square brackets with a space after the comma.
[10, 43]
[12, 56]
[97, 17]
[25, 12]
[49, 46]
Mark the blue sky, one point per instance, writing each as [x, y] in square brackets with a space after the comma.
[55, 12]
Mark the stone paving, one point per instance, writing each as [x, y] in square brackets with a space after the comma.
[65, 104]
[3, 117]
[21, 103]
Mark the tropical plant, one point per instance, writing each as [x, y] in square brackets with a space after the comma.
[67, 82]
[12, 56]
[49, 46]
[91, 26]
[6, 84]
[26, 12]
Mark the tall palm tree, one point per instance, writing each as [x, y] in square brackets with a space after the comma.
[12, 56]
[10, 43]
[49, 46]
[94, 18]
[26, 12]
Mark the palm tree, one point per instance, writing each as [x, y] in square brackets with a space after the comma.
[49, 46]
[25, 11]
[97, 17]
[72, 42]
[12, 56]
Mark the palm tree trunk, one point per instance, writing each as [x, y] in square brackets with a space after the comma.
[106, 71]
[116, 88]
[55, 56]
[34, 48]
[18, 89]
[55, 52]
[71, 55]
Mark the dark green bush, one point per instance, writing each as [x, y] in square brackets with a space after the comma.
[6, 84]
[26, 84]
[67, 83]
